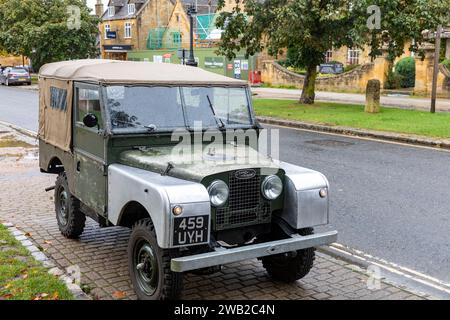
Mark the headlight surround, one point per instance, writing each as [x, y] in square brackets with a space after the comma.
[272, 187]
[218, 193]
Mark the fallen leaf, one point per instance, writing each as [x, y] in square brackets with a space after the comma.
[47, 242]
[7, 286]
[119, 294]
[28, 234]
[55, 296]
[7, 296]
[40, 296]
[25, 276]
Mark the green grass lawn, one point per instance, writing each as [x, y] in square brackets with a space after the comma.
[389, 119]
[22, 277]
[34, 79]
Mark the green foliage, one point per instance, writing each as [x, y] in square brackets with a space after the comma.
[39, 29]
[406, 69]
[446, 63]
[393, 80]
[309, 28]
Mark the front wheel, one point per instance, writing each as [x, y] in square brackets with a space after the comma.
[289, 267]
[149, 265]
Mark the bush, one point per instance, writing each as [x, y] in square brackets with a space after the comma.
[446, 63]
[393, 80]
[406, 69]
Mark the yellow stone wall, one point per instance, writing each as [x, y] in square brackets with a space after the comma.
[12, 60]
[155, 14]
[119, 27]
[352, 81]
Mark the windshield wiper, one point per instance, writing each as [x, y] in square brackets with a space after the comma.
[150, 127]
[218, 120]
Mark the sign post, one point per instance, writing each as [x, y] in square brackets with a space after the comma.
[437, 50]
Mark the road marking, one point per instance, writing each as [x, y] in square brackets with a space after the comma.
[415, 276]
[360, 138]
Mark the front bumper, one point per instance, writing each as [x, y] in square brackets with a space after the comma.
[224, 256]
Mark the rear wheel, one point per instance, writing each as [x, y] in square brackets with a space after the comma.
[71, 220]
[291, 266]
[149, 265]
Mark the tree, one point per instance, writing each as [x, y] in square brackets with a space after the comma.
[312, 27]
[48, 31]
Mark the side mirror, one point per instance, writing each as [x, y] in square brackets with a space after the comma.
[90, 120]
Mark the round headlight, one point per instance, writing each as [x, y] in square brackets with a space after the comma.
[218, 193]
[272, 187]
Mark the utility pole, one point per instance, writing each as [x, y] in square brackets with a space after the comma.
[191, 60]
[437, 51]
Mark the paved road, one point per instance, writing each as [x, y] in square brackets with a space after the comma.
[19, 106]
[355, 98]
[388, 200]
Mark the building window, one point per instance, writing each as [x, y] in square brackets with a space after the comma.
[353, 56]
[329, 56]
[111, 11]
[131, 8]
[176, 38]
[107, 29]
[127, 30]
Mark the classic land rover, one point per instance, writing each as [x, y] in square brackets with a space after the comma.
[107, 130]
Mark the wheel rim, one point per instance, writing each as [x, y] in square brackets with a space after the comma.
[63, 208]
[146, 266]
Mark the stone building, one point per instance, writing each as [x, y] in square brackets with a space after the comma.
[135, 25]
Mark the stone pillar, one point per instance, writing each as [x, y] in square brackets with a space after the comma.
[380, 69]
[424, 70]
[373, 96]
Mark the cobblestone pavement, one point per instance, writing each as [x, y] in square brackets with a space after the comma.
[101, 253]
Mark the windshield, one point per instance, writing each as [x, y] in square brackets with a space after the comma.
[21, 71]
[140, 108]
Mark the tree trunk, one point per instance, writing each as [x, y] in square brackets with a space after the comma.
[308, 92]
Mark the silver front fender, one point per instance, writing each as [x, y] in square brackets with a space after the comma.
[157, 194]
[303, 206]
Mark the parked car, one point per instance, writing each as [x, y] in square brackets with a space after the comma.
[15, 75]
[110, 130]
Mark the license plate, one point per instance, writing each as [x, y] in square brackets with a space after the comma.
[22, 79]
[190, 230]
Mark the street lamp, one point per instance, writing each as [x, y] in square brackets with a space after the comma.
[191, 60]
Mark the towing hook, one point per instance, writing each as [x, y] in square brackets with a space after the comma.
[50, 188]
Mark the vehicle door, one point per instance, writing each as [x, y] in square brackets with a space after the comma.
[89, 148]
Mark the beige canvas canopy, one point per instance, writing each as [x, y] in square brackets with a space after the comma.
[112, 71]
[56, 86]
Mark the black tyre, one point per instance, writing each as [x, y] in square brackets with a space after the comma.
[291, 267]
[149, 265]
[71, 220]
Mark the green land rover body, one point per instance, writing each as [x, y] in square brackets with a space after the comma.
[167, 150]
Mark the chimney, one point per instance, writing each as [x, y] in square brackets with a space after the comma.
[99, 8]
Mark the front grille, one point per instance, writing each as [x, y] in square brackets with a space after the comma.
[244, 193]
[246, 205]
